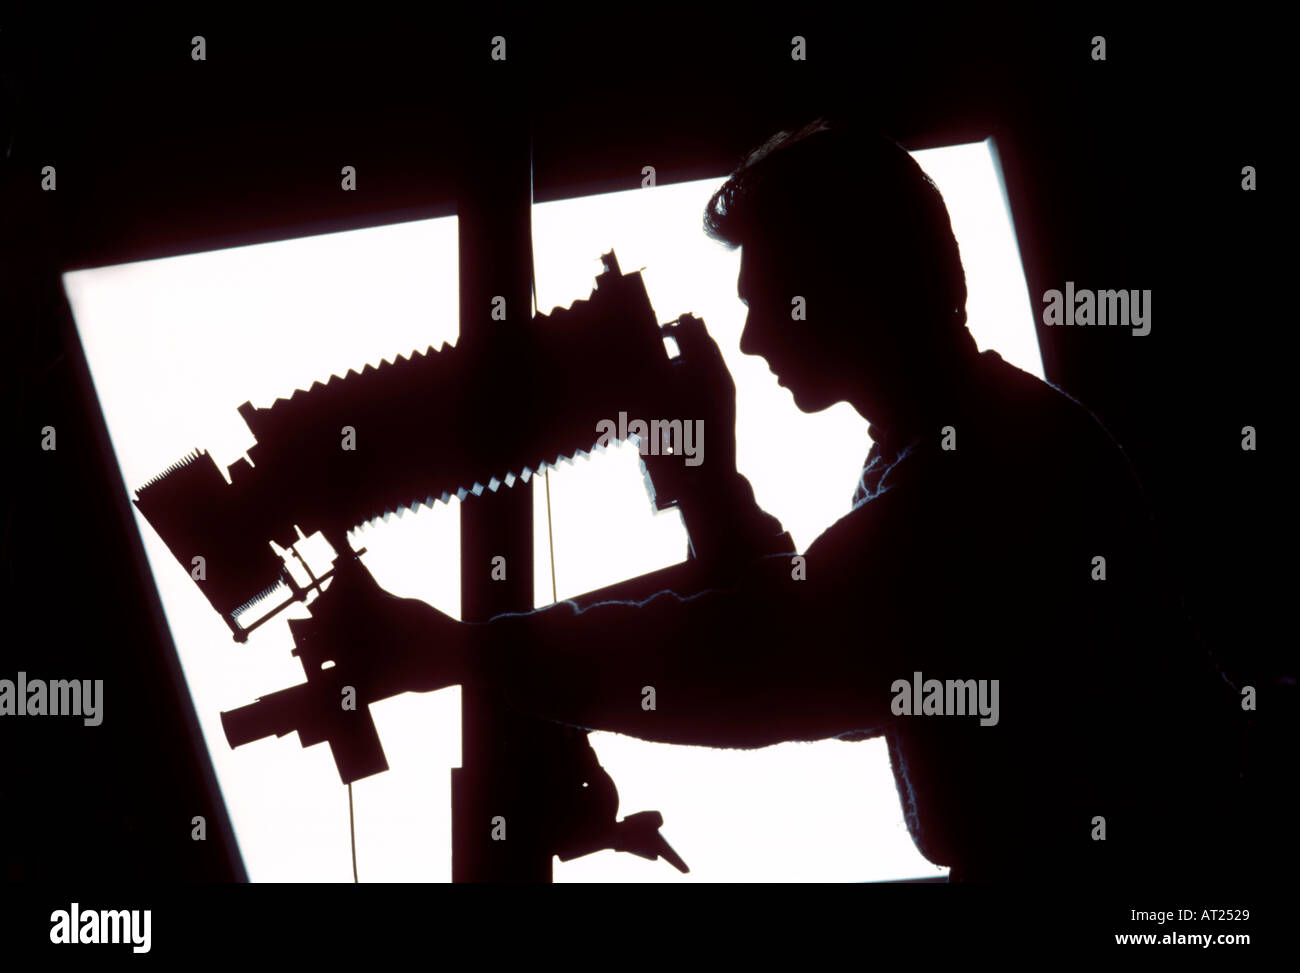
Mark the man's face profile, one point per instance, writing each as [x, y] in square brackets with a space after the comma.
[861, 337]
[818, 355]
[793, 347]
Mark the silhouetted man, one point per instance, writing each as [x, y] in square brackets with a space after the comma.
[989, 604]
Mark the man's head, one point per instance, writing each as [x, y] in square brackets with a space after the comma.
[847, 221]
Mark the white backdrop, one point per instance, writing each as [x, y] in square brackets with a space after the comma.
[175, 345]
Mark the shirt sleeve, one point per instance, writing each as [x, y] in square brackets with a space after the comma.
[797, 649]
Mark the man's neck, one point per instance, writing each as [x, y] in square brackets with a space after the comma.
[921, 407]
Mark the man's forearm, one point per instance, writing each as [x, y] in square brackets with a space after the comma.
[734, 668]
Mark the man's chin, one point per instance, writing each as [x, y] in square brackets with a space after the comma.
[811, 400]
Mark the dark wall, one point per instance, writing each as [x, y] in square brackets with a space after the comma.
[1123, 174]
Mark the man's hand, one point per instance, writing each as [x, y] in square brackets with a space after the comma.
[708, 393]
[405, 644]
[716, 502]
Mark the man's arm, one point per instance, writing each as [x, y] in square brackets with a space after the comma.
[748, 666]
[772, 659]
[769, 660]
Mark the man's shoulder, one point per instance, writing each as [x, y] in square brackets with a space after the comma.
[1048, 428]
[1026, 398]
[1018, 446]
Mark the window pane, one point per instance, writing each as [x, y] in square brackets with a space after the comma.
[174, 346]
[810, 812]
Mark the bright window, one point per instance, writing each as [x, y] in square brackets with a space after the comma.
[175, 345]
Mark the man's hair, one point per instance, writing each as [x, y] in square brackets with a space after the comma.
[831, 183]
